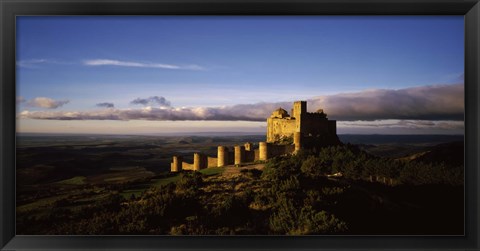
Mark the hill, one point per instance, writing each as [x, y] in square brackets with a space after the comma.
[294, 195]
[451, 153]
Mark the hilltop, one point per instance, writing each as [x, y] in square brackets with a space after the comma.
[291, 194]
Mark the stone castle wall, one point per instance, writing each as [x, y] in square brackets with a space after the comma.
[236, 156]
[278, 150]
[250, 156]
[212, 162]
[186, 166]
[277, 127]
[307, 130]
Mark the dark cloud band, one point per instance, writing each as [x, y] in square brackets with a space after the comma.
[438, 102]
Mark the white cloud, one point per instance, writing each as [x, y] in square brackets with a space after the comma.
[35, 63]
[105, 62]
[44, 102]
[31, 63]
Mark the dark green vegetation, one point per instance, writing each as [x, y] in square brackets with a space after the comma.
[421, 193]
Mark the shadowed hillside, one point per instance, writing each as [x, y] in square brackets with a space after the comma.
[333, 190]
[448, 153]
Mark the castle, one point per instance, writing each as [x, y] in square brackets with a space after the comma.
[286, 134]
[281, 125]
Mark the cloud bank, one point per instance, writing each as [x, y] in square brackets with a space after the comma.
[43, 102]
[147, 113]
[427, 103]
[110, 62]
[404, 124]
[436, 102]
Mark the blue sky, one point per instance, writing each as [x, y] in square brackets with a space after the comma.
[202, 64]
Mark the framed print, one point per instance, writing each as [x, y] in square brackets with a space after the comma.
[256, 125]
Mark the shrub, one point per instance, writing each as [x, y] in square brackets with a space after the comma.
[281, 168]
[233, 211]
[315, 167]
[318, 222]
[189, 183]
[293, 221]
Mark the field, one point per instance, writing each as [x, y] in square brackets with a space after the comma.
[59, 174]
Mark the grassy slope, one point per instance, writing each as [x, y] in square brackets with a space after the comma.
[164, 181]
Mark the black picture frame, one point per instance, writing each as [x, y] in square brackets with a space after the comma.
[9, 9]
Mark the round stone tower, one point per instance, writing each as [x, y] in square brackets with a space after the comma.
[197, 161]
[222, 156]
[239, 155]
[262, 151]
[248, 146]
[297, 140]
[177, 164]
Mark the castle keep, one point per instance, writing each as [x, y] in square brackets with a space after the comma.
[286, 134]
[280, 125]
